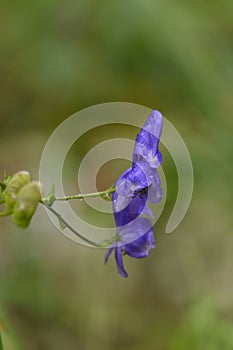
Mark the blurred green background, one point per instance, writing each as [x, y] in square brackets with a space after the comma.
[58, 57]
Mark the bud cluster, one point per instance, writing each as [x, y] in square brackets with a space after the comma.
[21, 196]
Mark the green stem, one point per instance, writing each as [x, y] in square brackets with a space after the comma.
[104, 244]
[87, 195]
[50, 199]
[66, 224]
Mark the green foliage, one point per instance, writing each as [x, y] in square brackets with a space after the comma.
[204, 328]
[1, 346]
[8, 341]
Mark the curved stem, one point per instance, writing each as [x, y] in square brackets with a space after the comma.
[66, 224]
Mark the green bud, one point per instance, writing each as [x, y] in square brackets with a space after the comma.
[17, 181]
[26, 203]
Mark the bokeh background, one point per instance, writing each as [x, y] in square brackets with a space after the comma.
[58, 57]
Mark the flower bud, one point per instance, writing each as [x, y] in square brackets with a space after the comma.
[17, 181]
[26, 203]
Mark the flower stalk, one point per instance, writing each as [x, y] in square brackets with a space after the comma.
[103, 194]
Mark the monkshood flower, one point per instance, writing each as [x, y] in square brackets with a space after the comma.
[135, 189]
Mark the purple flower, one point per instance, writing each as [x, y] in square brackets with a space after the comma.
[135, 189]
